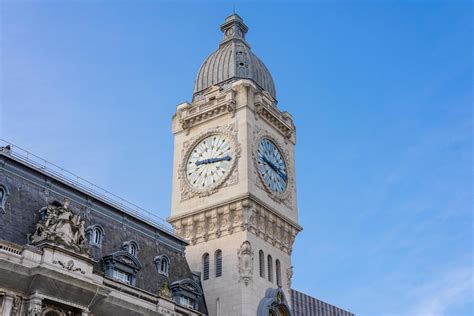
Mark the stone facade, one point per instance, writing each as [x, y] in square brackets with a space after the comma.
[48, 260]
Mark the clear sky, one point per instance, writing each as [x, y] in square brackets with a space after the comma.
[380, 91]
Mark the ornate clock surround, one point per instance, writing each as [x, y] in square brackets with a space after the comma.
[231, 177]
[281, 197]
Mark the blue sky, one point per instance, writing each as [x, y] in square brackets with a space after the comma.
[380, 91]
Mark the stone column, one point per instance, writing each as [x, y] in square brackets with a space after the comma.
[34, 305]
[86, 312]
[8, 302]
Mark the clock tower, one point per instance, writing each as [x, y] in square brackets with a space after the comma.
[234, 193]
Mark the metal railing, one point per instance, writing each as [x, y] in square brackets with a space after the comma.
[77, 182]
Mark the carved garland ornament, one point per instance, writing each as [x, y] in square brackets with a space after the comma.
[245, 255]
[230, 178]
[286, 196]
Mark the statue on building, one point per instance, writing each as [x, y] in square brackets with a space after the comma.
[59, 225]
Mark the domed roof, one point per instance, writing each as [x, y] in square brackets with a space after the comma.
[233, 61]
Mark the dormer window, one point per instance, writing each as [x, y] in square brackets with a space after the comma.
[187, 293]
[162, 264]
[121, 266]
[131, 247]
[96, 235]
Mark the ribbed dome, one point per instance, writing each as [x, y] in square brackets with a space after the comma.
[233, 60]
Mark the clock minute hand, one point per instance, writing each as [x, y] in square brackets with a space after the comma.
[277, 170]
[213, 160]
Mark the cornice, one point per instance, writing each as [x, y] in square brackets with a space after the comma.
[242, 214]
[215, 102]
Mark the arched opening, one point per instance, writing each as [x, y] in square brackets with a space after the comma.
[218, 259]
[261, 258]
[205, 266]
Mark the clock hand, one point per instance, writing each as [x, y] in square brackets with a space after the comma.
[213, 160]
[277, 170]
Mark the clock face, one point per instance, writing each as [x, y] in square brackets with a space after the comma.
[272, 166]
[208, 161]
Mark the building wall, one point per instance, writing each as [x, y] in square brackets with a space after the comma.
[30, 189]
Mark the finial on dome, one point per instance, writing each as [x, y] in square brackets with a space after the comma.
[234, 28]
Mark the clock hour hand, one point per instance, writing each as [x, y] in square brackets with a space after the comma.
[212, 160]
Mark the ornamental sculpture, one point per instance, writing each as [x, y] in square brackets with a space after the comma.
[59, 225]
[245, 255]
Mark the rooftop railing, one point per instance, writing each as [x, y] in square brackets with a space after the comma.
[82, 184]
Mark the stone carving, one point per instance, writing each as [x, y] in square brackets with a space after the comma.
[59, 225]
[16, 306]
[165, 291]
[230, 178]
[34, 306]
[69, 266]
[245, 265]
[244, 214]
[289, 276]
[285, 197]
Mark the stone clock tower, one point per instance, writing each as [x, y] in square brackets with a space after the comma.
[234, 193]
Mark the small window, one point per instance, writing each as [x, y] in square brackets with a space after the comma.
[3, 198]
[261, 258]
[95, 234]
[122, 276]
[218, 258]
[278, 272]
[186, 302]
[133, 250]
[162, 264]
[205, 266]
[270, 268]
[131, 247]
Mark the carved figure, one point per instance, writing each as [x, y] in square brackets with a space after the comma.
[59, 225]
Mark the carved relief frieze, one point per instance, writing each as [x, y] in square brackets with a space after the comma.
[231, 176]
[286, 197]
[237, 216]
[70, 266]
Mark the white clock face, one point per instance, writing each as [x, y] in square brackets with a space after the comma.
[272, 166]
[208, 161]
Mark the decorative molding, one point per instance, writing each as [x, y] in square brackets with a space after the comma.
[245, 265]
[230, 178]
[69, 266]
[289, 276]
[281, 121]
[287, 196]
[213, 103]
[242, 215]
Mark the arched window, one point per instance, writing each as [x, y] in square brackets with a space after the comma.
[96, 235]
[218, 259]
[131, 247]
[270, 268]
[162, 264]
[278, 272]
[261, 258]
[3, 198]
[205, 266]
